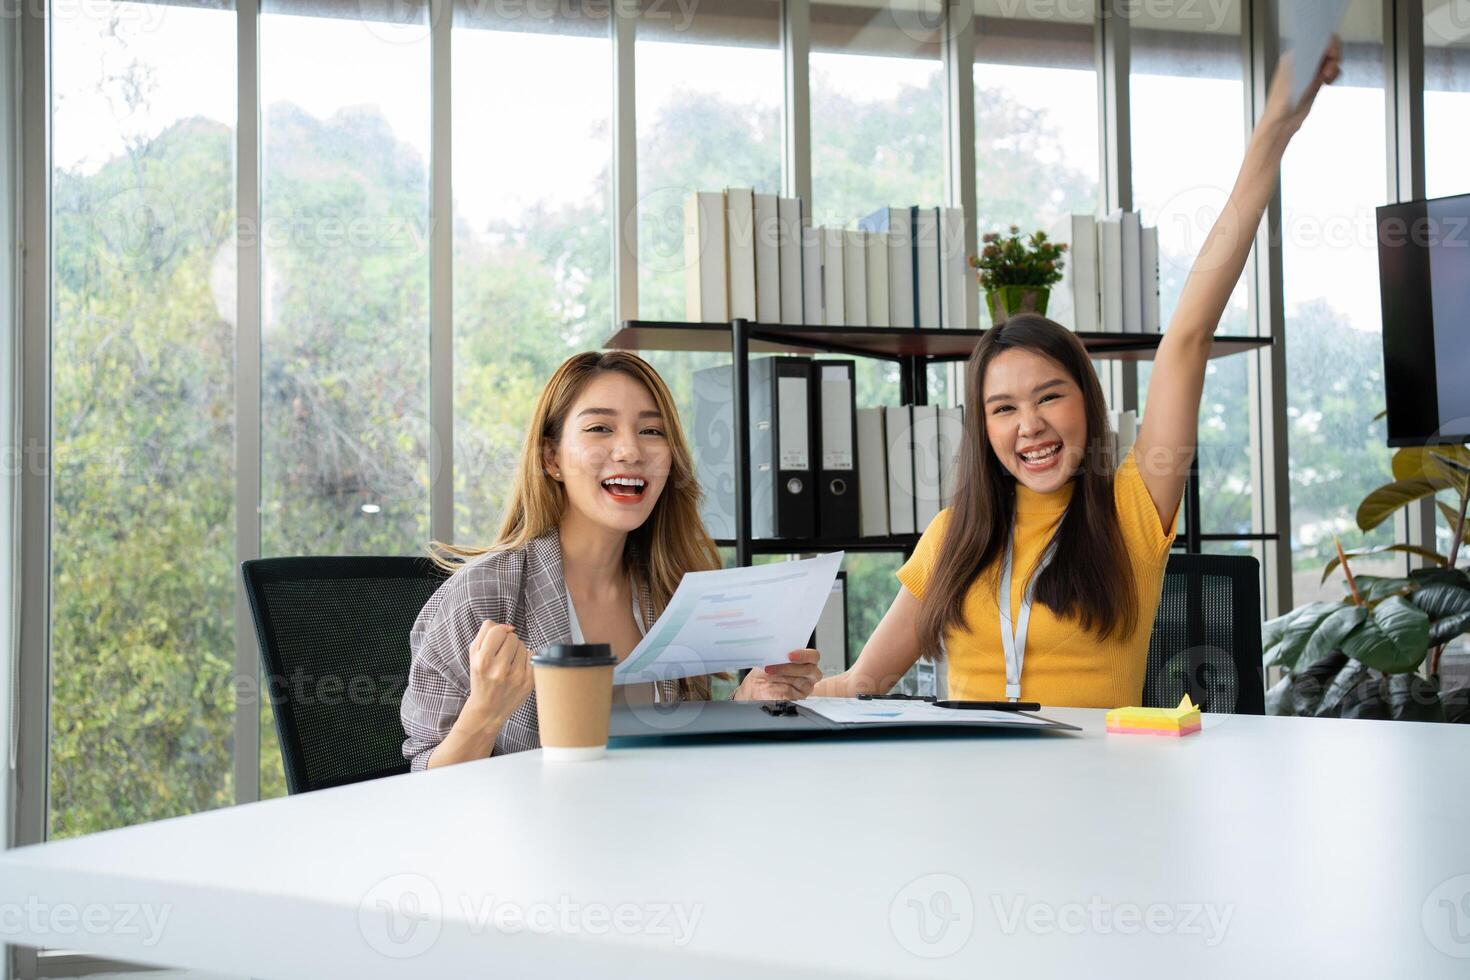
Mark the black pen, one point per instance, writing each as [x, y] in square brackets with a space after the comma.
[989, 705]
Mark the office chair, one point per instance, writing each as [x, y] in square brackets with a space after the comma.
[333, 636]
[1206, 638]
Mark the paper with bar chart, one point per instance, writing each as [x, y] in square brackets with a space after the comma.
[733, 618]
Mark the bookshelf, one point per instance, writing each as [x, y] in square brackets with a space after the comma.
[914, 350]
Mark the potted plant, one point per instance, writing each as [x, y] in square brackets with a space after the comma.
[1017, 274]
[1362, 657]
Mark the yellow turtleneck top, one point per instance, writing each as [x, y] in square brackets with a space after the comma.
[1063, 665]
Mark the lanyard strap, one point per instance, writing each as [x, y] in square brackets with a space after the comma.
[1013, 639]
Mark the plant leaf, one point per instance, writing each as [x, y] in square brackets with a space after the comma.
[1379, 505]
[1329, 634]
[1409, 549]
[1451, 516]
[1308, 686]
[1375, 588]
[1456, 705]
[1393, 640]
[1278, 698]
[1412, 698]
[1345, 683]
[1297, 629]
[1448, 609]
[1445, 466]
[1456, 577]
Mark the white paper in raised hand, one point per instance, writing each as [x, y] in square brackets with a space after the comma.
[1307, 27]
[733, 618]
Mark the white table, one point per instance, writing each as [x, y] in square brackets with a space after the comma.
[1260, 847]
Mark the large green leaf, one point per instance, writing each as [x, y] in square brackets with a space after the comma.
[1308, 686]
[1278, 698]
[1329, 634]
[1448, 609]
[1456, 705]
[1394, 639]
[1444, 466]
[1294, 630]
[1410, 549]
[1457, 577]
[1451, 516]
[1375, 588]
[1342, 688]
[1412, 698]
[1380, 505]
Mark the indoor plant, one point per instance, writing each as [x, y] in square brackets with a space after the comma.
[1017, 274]
[1362, 657]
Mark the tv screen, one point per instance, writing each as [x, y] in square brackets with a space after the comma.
[1424, 275]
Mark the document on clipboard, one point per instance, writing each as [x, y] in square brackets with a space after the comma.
[847, 711]
[733, 618]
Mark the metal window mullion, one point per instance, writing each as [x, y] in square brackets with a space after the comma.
[1112, 46]
[246, 753]
[959, 132]
[1270, 482]
[796, 129]
[441, 273]
[623, 31]
[1403, 69]
[33, 702]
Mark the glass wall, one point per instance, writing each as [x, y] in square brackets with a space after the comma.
[345, 323]
[142, 443]
[1187, 98]
[532, 230]
[1334, 353]
[1036, 130]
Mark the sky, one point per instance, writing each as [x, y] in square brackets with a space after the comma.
[509, 87]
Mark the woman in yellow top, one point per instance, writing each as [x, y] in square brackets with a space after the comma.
[1039, 511]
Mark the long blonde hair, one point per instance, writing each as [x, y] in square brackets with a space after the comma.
[671, 542]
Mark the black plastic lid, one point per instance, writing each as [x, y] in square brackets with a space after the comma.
[575, 655]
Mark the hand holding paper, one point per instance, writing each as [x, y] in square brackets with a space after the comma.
[733, 618]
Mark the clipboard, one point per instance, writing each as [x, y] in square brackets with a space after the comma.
[716, 718]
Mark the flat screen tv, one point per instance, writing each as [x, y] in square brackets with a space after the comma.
[1424, 278]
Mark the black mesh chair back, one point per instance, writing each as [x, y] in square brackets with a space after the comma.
[1206, 639]
[333, 636]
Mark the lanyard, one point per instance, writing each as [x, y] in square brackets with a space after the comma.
[1014, 640]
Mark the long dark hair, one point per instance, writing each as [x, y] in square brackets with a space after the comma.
[1090, 578]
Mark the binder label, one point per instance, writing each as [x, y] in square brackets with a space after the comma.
[792, 437]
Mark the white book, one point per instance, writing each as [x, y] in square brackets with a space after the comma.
[1149, 257]
[926, 465]
[951, 438]
[956, 303]
[926, 266]
[788, 217]
[740, 228]
[767, 259]
[811, 276]
[898, 423]
[897, 223]
[833, 298]
[1132, 273]
[1110, 271]
[872, 464]
[855, 277]
[706, 289]
[1082, 269]
[877, 278]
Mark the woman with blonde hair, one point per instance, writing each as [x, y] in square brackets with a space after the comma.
[1043, 580]
[602, 523]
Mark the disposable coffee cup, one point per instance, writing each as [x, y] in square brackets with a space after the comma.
[574, 683]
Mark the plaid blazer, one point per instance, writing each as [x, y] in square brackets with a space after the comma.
[522, 588]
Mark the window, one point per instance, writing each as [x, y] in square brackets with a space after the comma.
[1036, 132]
[142, 525]
[1446, 96]
[533, 233]
[1188, 124]
[345, 323]
[1334, 354]
[709, 117]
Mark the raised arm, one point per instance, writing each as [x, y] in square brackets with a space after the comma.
[1166, 439]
